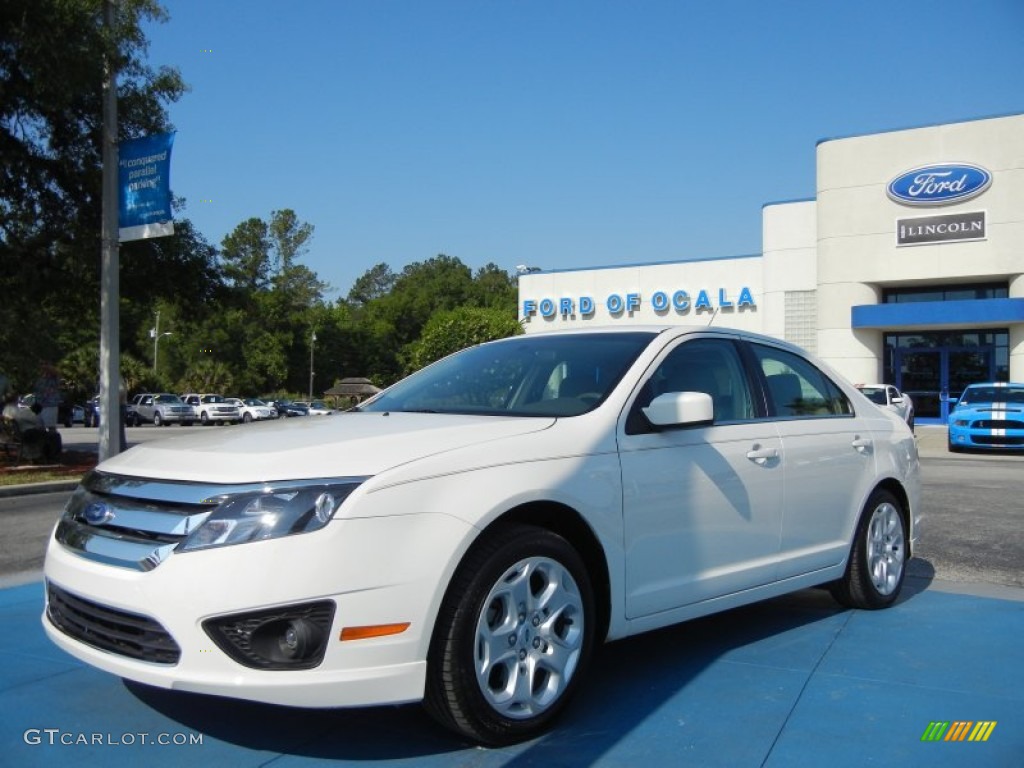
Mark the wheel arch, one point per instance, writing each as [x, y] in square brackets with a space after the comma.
[570, 525]
[895, 487]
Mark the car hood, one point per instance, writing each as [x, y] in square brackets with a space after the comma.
[349, 444]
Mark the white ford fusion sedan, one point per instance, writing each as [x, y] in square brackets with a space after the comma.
[466, 537]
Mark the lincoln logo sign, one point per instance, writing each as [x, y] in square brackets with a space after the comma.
[939, 184]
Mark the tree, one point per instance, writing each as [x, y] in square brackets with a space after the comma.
[372, 284]
[51, 68]
[449, 331]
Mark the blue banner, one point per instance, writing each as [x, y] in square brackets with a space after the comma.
[144, 189]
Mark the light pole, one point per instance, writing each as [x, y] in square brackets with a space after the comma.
[155, 335]
[312, 342]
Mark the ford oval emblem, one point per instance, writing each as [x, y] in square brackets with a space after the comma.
[941, 184]
[97, 513]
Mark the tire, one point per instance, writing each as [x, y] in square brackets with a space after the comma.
[158, 419]
[246, 418]
[877, 566]
[519, 613]
[204, 419]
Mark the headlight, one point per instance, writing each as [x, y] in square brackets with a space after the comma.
[268, 514]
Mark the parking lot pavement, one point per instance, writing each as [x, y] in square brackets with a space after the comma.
[796, 681]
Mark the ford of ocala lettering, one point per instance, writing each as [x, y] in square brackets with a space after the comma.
[466, 537]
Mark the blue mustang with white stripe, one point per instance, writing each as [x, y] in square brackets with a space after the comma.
[988, 416]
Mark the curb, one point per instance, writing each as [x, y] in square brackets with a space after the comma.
[29, 489]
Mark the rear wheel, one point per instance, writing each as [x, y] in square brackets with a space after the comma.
[513, 637]
[877, 565]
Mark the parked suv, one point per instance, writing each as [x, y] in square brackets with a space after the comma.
[162, 409]
[213, 409]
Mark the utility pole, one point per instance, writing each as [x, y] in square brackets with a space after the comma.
[312, 342]
[111, 438]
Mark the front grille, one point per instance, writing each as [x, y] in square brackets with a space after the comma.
[1006, 424]
[108, 629]
[997, 440]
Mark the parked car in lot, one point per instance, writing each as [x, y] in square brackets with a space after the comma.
[213, 409]
[91, 417]
[316, 407]
[887, 396]
[988, 416]
[467, 536]
[289, 408]
[161, 410]
[252, 409]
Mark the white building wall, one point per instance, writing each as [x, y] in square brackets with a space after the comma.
[856, 226]
[790, 272]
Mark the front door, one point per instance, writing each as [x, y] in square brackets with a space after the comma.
[702, 504]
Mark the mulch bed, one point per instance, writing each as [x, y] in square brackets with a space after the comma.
[72, 463]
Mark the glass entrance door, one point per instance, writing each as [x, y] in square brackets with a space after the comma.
[919, 373]
[933, 377]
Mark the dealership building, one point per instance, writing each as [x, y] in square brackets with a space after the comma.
[907, 267]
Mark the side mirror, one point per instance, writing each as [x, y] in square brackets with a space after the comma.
[897, 401]
[678, 409]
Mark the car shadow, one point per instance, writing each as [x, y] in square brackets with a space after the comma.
[628, 681]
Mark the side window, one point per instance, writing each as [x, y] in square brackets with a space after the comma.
[704, 365]
[798, 388]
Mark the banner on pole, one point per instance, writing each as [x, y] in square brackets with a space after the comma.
[144, 170]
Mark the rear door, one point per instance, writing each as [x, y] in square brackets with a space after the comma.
[828, 456]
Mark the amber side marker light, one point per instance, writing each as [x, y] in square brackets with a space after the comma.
[374, 630]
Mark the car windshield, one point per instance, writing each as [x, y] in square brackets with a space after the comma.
[213, 399]
[874, 394]
[533, 375]
[974, 395]
[167, 399]
[254, 401]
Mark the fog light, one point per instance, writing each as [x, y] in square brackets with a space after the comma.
[290, 637]
[299, 637]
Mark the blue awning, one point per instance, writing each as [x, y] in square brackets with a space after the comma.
[968, 312]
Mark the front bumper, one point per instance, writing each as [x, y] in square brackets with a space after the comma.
[1002, 436]
[362, 566]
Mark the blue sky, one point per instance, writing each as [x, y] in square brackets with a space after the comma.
[560, 134]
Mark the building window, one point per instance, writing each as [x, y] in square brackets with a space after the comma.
[801, 326]
[946, 293]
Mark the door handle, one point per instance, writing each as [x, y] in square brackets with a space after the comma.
[760, 455]
[861, 444]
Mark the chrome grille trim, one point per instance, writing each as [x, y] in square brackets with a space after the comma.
[143, 520]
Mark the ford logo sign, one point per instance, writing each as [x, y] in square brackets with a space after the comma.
[941, 184]
[97, 513]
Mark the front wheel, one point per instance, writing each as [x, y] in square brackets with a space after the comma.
[513, 637]
[158, 420]
[874, 574]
